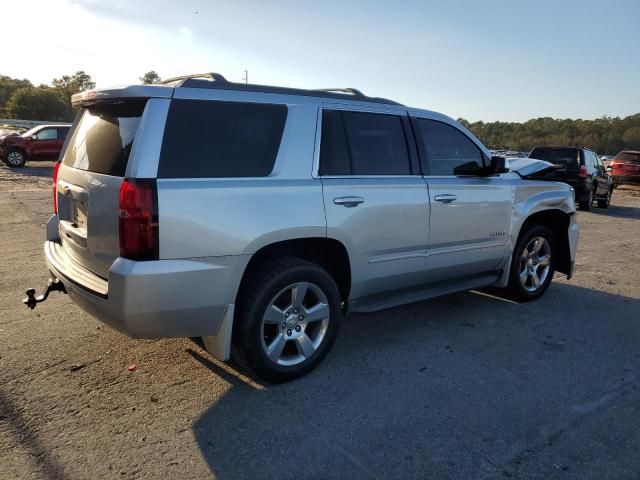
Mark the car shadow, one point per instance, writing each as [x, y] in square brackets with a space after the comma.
[40, 169]
[19, 426]
[458, 387]
[618, 211]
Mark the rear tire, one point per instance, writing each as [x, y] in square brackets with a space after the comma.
[604, 203]
[532, 264]
[15, 158]
[274, 336]
[586, 205]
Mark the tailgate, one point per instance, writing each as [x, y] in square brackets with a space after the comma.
[89, 179]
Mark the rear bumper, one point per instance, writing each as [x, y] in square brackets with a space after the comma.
[153, 299]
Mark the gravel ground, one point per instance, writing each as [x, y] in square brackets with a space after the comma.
[466, 386]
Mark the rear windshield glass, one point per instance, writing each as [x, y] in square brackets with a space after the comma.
[102, 140]
[628, 157]
[209, 139]
[558, 156]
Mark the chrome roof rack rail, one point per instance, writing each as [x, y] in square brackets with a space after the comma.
[351, 91]
[183, 78]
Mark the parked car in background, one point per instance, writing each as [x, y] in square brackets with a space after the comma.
[256, 216]
[43, 142]
[625, 168]
[583, 170]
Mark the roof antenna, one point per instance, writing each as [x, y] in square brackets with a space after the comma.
[246, 77]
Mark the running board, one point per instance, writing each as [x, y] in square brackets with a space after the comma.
[374, 303]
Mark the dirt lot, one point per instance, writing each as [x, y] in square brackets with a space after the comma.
[467, 386]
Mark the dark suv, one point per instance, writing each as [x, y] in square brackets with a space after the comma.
[43, 142]
[583, 170]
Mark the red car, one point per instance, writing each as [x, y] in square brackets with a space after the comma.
[625, 168]
[43, 142]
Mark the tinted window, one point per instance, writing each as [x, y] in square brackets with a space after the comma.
[47, 134]
[569, 157]
[102, 140]
[360, 143]
[207, 139]
[448, 150]
[628, 157]
[334, 153]
[62, 133]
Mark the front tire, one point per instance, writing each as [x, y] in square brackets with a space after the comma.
[532, 264]
[287, 319]
[15, 158]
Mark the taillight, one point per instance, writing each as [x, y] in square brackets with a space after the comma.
[583, 171]
[55, 187]
[138, 219]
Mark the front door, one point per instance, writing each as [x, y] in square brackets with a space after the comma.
[45, 144]
[470, 214]
[375, 199]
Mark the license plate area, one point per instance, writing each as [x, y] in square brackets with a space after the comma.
[79, 215]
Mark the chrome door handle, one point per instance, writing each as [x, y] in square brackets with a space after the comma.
[445, 198]
[348, 201]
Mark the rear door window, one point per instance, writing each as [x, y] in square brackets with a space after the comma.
[362, 143]
[62, 133]
[214, 139]
[102, 140]
[448, 150]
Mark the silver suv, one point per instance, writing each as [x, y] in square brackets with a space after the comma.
[256, 217]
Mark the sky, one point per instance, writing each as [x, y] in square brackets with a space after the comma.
[490, 60]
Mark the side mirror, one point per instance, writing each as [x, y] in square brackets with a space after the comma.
[33, 137]
[609, 168]
[497, 165]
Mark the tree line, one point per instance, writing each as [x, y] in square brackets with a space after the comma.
[22, 100]
[606, 135]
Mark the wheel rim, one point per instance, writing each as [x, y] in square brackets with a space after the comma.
[14, 158]
[535, 264]
[295, 323]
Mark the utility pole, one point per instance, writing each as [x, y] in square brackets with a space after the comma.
[246, 77]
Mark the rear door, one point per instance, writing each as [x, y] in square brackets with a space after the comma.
[470, 215]
[375, 199]
[93, 167]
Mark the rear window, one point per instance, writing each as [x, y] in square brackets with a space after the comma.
[558, 156]
[628, 157]
[102, 140]
[212, 139]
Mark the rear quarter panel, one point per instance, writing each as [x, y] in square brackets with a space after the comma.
[238, 216]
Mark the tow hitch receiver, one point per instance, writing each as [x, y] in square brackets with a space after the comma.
[53, 285]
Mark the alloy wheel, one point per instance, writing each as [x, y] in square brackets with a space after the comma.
[535, 264]
[295, 323]
[15, 158]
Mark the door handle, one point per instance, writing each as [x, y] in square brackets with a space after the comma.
[445, 198]
[348, 201]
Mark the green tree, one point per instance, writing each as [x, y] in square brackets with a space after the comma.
[9, 85]
[68, 85]
[150, 77]
[36, 103]
[631, 138]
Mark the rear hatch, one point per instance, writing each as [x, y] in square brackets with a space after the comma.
[626, 163]
[567, 159]
[89, 180]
